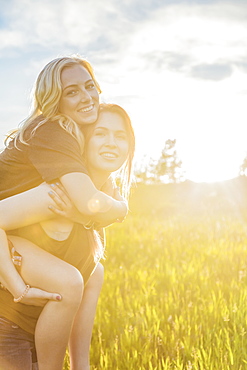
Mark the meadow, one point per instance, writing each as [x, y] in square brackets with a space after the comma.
[175, 288]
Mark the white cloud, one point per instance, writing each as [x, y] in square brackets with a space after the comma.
[205, 34]
[75, 23]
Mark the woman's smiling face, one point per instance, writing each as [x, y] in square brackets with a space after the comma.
[80, 98]
[108, 146]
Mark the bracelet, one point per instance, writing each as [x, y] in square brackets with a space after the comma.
[16, 300]
[89, 225]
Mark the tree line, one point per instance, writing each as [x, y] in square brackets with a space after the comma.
[168, 167]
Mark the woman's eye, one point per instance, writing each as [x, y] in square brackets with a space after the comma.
[90, 86]
[122, 137]
[99, 133]
[71, 92]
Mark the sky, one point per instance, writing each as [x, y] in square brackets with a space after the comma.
[179, 68]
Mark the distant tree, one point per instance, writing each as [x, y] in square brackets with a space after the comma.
[144, 172]
[141, 175]
[243, 167]
[168, 166]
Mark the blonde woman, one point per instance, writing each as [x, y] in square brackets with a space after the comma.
[49, 147]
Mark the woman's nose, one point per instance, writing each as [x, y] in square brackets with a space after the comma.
[111, 141]
[85, 96]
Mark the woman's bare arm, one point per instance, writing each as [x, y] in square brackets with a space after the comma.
[32, 206]
[26, 208]
[92, 202]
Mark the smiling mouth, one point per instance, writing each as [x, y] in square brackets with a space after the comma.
[109, 155]
[87, 109]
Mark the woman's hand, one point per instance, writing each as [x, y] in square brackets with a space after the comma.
[63, 206]
[38, 297]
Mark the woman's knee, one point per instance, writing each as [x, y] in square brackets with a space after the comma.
[72, 285]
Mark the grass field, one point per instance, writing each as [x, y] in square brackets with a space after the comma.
[175, 289]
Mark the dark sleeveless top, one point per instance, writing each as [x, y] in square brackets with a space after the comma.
[76, 250]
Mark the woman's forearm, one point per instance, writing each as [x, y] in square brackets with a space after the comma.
[118, 211]
[90, 201]
[32, 206]
[25, 208]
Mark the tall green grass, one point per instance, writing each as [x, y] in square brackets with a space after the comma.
[174, 295]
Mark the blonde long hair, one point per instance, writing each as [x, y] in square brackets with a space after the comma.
[46, 95]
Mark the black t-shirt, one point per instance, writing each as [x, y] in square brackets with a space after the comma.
[52, 152]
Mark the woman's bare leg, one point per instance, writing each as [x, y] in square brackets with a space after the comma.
[45, 271]
[80, 339]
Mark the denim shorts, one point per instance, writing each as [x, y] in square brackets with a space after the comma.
[17, 348]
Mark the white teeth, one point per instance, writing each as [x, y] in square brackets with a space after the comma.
[86, 109]
[109, 155]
